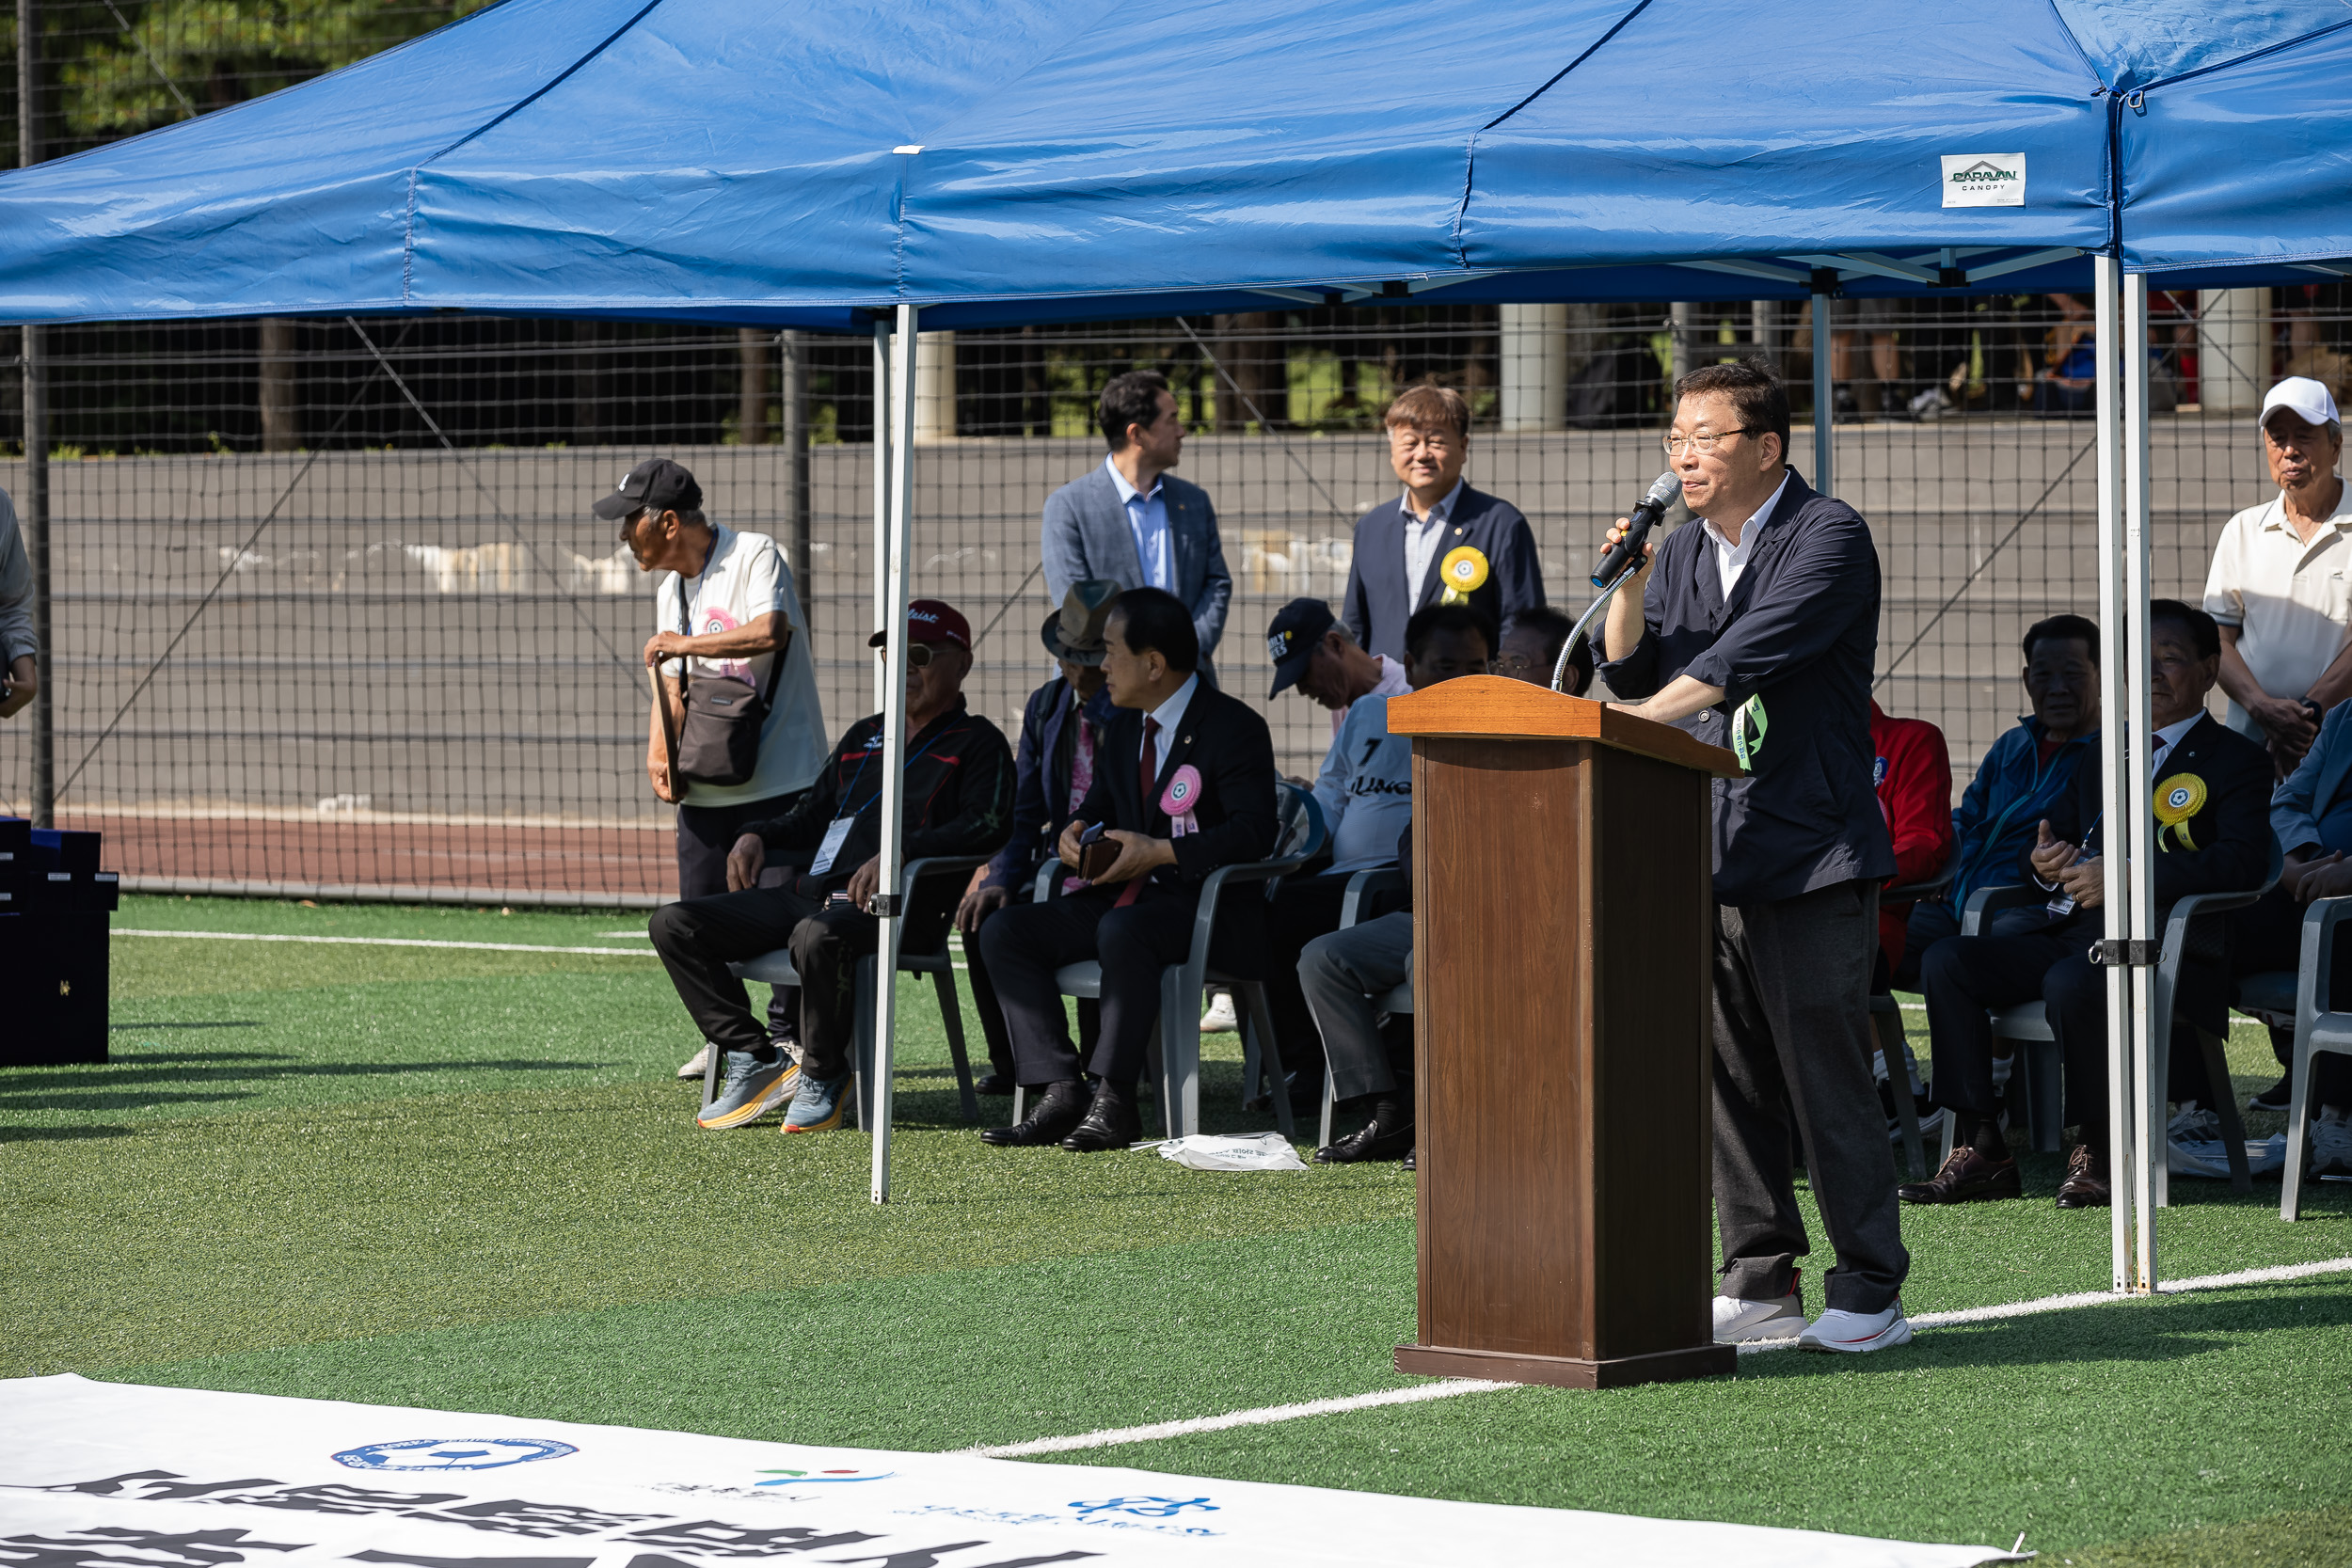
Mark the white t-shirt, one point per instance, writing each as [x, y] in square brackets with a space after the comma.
[744, 578]
[2288, 599]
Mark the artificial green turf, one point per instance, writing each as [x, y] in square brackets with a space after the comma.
[2314, 1538]
[468, 1179]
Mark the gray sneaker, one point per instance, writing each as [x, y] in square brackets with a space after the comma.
[749, 1089]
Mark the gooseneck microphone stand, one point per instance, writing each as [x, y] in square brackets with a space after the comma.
[1560, 669]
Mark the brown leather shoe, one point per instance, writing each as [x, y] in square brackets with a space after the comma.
[2085, 1183]
[1967, 1176]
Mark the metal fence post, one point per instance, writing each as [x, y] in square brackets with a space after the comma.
[798, 525]
[33, 511]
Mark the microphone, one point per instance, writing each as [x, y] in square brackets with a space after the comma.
[1627, 552]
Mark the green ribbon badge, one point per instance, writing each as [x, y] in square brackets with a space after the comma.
[1747, 732]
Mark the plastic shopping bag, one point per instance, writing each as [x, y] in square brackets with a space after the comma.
[1240, 1151]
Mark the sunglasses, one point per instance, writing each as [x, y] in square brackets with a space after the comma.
[919, 654]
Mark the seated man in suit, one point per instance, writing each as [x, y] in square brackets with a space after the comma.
[1133, 522]
[1365, 791]
[1341, 973]
[2221, 781]
[2311, 813]
[957, 800]
[1441, 542]
[2026, 771]
[1183, 784]
[1061, 733]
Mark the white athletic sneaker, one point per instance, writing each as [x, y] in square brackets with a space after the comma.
[1220, 1017]
[697, 1064]
[1738, 1321]
[2331, 1142]
[2194, 1124]
[1856, 1332]
[2002, 1067]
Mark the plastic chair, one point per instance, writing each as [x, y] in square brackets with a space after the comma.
[1299, 837]
[2317, 1030]
[1886, 1022]
[2191, 932]
[776, 970]
[1363, 885]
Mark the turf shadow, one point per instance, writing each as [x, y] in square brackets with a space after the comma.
[60, 1135]
[217, 1024]
[66, 1091]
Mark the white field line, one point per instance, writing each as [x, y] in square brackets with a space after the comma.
[387, 942]
[1451, 1386]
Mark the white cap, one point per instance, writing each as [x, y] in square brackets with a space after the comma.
[2309, 401]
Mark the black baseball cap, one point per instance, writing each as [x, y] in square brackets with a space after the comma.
[656, 482]
[1291, 639]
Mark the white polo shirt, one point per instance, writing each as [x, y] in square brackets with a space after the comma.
[2290, 601]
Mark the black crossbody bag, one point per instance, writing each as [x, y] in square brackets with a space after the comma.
[718, 740]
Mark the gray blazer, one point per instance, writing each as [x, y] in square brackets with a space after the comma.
[1087, 536]
[16, 589]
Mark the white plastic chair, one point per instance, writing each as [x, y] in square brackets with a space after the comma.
[2302, 995]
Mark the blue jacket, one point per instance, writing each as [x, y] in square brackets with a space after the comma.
[1040, 790]
[2303, 796]
[2012, 792]
[1087, 536]
[1379, 601]
[1801, 631]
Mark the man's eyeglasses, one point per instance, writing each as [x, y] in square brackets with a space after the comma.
[1703, 444]
[1519, 667]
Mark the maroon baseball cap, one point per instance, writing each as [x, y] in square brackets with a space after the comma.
[932, 620]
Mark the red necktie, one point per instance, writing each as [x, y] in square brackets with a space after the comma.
[1146, 775]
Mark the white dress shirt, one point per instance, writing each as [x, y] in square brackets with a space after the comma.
[1147, 519]
[1730, 558]
[1168, 715]
[1423, 536]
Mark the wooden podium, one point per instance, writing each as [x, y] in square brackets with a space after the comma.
[1562, 984]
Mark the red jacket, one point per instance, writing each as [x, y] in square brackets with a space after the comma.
[1914, 779]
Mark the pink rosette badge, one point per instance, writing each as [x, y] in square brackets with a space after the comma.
[1182, 794]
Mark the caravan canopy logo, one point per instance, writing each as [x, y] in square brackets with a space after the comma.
[1984, 180]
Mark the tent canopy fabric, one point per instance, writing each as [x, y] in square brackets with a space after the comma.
[1002, 161]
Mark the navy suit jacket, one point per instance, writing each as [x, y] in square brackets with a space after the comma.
[2234, 850]
[1802, 629]
[1226, 742]
[1087, 536]
[1379, 601]
[1040, 791]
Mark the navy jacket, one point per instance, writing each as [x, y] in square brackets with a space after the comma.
[2013, 790]
[1802, 629]
[2227, 846]
[1379, 601]
[1040, 791]
[2303, 797]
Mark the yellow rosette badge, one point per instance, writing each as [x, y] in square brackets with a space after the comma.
[2178, 799]
[1464, 572]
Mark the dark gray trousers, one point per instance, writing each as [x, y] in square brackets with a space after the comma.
[1792, 1043]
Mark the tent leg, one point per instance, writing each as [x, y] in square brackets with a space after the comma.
[1824, 399]
[891, 898]
[2130, 356]
[882, 505]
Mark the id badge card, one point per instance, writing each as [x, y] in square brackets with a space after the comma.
[836, 833]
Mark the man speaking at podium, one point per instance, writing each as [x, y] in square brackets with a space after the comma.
[1756, 629]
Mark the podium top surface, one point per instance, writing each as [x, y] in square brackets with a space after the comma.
[1499, 708]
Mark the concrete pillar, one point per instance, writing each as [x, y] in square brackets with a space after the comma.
[281, 407]
[2233, 348]
[1534, 355]
[934, 385]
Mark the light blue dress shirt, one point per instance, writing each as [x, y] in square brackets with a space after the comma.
[1147, 519]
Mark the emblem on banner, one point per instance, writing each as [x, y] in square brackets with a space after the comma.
[2178, 799]
[453, 1453]
[1464, 572]
[810, 1477]
[1146, 1508]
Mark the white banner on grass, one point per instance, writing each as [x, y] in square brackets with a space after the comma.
[101, 1475]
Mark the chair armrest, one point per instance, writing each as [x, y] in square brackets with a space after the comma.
[1368, 884]
[1911, 892]
[2320, 920]
[1050, 876]
[1204, 919]
[914, 872]
[1993, 900]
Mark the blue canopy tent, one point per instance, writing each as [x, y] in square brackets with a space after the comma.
[965, 164]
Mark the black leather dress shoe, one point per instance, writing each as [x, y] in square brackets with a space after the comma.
[1111, 1122]
[993, 1083]
[1967, 1176]
[2085, 1183]
[1388, 1136]
[1059, 1109]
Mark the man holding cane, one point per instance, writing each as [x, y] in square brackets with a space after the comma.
[1756, 629]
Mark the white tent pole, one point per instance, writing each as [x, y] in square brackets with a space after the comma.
[2116, 682]
[1824, 399]
[882, 502]
[2131, 351]
[894, 752]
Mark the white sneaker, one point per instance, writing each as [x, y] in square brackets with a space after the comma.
[696, 1065]
[2002, 1067]
[2194, 1124]
[1930, 1127]
[1220, 1017]
[1856, 1332]
[1738, 1321]
[2331, 1142]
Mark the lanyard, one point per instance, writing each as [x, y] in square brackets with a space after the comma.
[851, 787]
